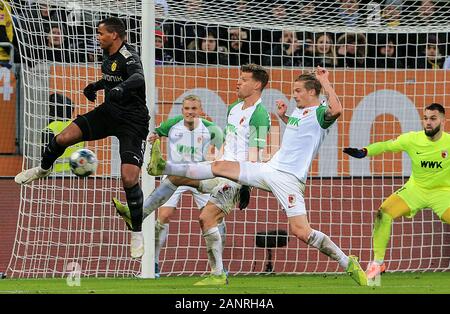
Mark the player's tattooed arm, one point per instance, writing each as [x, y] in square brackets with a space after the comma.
[334, 105]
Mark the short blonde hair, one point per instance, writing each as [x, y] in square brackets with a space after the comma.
[192, 98]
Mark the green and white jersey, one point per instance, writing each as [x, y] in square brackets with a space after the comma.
[245, 128]
[430, 161]
[186, 145]
[305, 131]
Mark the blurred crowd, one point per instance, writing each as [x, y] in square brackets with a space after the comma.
[67, 34]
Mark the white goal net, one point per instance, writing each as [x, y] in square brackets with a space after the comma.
[387, 60]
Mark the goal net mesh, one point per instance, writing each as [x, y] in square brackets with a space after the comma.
[386, 61]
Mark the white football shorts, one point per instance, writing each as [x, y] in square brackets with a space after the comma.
[199, 198]
[286, 187]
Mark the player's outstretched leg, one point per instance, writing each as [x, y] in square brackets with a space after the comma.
[208, 219]
[51, 152]
[157, 198]
[123, 211]
[350, 263]
[137, 244]
[28, 176]
[213, 280]
[381, 235]
[157, 164]
[374, 269]
[161, 234]
[355, 271]
[135, 200]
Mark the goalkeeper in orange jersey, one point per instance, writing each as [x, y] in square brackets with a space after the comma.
[428, 186]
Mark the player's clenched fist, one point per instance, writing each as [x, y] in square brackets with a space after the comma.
[90, 92]
[281, 108]
[321, 74]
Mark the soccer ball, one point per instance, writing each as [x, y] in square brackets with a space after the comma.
[83, 162]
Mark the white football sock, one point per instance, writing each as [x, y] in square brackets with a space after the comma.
[223, 233]
[324, 244]
[198, 171]
[214, 250]
[161, 233]
[158, 197]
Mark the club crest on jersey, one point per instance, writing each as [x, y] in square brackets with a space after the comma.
[114, 66]
[291, 200]
[242, 121]
[305, 112]
[199, 139]
[444, 154]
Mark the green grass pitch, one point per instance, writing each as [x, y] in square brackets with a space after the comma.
[391, 283]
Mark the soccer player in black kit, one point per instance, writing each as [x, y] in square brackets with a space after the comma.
[124, 114]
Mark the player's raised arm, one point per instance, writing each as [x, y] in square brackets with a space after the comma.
[281, 110]
[334, 104]
[377, 148]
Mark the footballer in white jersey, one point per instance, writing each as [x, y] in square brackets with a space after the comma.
[286, 173]
[245, 136]
[189, 144]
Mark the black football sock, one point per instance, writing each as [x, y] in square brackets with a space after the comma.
[51, 153]
[135, 200]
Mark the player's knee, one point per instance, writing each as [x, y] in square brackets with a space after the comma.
[206, 220]
[69, 136]
[129, 180]
[218, 167]
[446, 216]
[164, 216]
[300, 233]
[175, 180]
[62, 140]
[385, 211]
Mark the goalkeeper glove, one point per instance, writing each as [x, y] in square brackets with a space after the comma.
[356, 152]
[90, 92]
[116, 94]
[244, 196]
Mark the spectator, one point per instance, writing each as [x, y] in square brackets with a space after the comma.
[45, 16]
[446, 63]
[430, 57]
[306, 10]
[285, 53]
[161, 8]
[308, 50]
[324, 51]
[348, 13]
[391, 13]
[162, 56]
[56, 50]
[204, 50]
[279, 12]
[386, 56]
[186, 34]
[6, 34]
[426, 11]
[243, 7]
[237, 47]
[351, 50]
